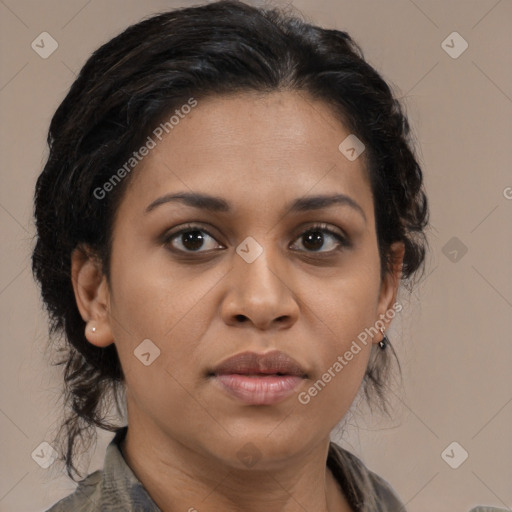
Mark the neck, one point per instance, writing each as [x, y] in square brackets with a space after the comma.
[180, 478]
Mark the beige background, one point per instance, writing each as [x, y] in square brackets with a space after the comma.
[453, 336]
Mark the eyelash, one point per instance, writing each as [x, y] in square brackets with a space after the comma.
[322, 227]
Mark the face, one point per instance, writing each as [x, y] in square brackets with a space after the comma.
[251, 271]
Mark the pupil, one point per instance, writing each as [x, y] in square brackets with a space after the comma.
[314, 237]
[193, 240]
[189, 242]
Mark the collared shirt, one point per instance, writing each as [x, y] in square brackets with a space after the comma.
[115, 488]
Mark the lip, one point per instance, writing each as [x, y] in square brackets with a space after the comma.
[259, 379]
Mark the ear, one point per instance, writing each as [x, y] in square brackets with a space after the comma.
[92, 296]
[389, 287]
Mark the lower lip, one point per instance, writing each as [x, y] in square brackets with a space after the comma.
[259, 390]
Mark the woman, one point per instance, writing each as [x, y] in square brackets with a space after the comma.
[229, 206]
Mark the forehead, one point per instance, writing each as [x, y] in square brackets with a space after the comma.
[253, 148]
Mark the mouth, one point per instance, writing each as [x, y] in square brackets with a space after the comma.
[258, 379]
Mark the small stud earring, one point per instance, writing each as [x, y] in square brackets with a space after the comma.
[384, 341]
[92, 328]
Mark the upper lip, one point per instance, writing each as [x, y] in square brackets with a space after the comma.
[252, 363]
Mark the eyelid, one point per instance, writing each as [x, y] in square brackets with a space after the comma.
[342, 238]
[323, 226]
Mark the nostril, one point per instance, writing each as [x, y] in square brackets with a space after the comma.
[241, 318]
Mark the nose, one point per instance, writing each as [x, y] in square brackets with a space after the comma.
[259, 294]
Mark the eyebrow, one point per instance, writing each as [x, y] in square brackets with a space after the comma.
[218, 204]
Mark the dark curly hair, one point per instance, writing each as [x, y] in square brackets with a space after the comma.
[126, 88]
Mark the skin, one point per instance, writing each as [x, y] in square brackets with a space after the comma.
[259, 152]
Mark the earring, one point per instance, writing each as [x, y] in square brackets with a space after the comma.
[384, 341]
[92, 327]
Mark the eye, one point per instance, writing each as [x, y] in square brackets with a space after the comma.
[319, 236]
[191, 238]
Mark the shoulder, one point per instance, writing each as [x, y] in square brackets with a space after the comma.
[100, 491]
[365, 490]
[114, 488]
[85, 498]
[385, 493]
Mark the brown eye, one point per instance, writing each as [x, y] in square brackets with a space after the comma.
[318, 237]
[191, 239]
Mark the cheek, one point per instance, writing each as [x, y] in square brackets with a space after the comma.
[343, 317]
[151, 297]
[350, 303]
[169, 308]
